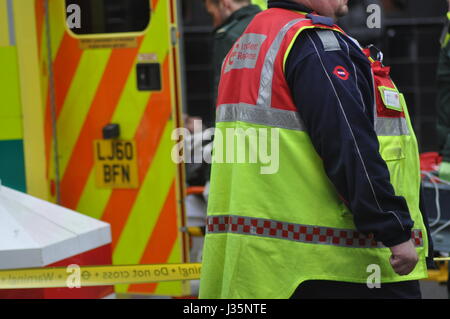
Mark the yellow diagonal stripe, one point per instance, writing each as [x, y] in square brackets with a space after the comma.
[167, 288]
[173, 288]
[130, 109]
[78, 101]
[86, 276]
[93, 200]
[157, 41]
[148, 205]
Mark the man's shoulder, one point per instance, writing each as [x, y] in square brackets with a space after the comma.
[308, 42]
[325, 41]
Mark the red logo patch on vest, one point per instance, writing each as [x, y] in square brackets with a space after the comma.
[341, 73]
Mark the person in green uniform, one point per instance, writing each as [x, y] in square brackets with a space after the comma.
[230, 19]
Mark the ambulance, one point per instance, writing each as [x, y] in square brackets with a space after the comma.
[90, 94]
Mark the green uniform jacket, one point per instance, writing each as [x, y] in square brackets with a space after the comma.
[226, 34]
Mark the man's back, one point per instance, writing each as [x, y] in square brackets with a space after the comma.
[267, 233]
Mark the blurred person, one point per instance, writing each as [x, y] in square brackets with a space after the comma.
[230, 18]
[345, 197]
[195, 204]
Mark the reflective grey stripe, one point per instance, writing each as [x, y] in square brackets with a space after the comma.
[291, 119]
[12, 33]
[257, 115]
[265, 88]
[329, 40]
[386, 126]
[296, 232]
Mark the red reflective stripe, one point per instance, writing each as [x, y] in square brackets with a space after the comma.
[302, 233]
[64, 68]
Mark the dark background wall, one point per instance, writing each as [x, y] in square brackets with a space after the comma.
[410, 43]
[411, 46]
[198, 50]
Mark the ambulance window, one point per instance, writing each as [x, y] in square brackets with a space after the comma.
[107, 16]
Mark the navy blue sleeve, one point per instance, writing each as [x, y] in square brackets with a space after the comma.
[334, 94]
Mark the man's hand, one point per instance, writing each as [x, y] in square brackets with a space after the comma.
[404, 258]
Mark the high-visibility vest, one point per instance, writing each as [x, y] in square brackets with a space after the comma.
[261, 3]
[271, 226]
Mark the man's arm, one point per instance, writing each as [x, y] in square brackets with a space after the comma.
[333, 92]
[337, 110]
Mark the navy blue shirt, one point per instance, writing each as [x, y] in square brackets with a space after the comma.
[334, 94]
